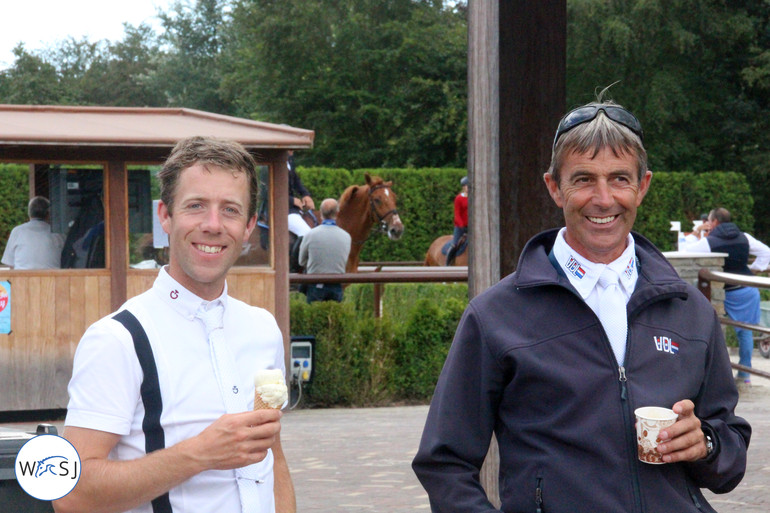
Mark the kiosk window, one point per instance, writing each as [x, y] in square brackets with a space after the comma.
[77, 212]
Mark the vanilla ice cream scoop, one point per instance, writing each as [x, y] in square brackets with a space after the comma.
[269, 389]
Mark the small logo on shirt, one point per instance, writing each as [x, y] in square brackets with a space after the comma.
[574, 267]
[630, 268]
[174, 294]
[666, 345]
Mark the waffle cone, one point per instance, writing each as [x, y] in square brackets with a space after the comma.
[259, 404]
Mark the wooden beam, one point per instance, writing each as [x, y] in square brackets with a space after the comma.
[116, 230]
[533, 56]
[516, 95]
[483, 146]
[279, 232]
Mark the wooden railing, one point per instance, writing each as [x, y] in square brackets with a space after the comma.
[706, 276]
[380, 275]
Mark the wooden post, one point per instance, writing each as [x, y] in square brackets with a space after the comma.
[279, 228]
[116, 221]
[377, 300]
[516, 95]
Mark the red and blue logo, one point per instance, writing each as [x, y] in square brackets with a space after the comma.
[666, 345]
[574, 267]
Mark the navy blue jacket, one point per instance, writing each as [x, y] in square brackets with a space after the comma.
[531, 362]
[728, 238]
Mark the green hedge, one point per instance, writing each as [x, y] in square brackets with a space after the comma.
[360, 360]
[14, 197]
[684, 196]
[425, 199]
[425, 204]
[426, 195]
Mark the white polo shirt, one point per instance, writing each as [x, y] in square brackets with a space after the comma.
[32, 245]
[105, 386]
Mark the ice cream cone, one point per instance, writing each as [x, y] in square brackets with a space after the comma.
[259, 404]
[270, 392]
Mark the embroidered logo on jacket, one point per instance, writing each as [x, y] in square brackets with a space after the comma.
[574, 267]
[630, 268]
[666, 345]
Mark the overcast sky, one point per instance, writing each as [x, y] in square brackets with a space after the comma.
[41, 24]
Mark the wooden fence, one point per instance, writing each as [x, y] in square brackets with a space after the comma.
[706, 276]
[380, 274]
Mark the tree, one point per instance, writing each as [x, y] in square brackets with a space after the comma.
[383, 83]
[695, 73]
[31, 80]
[123, 74]
[189, 72]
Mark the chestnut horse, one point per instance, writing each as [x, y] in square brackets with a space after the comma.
[435, 257]
[361, 206]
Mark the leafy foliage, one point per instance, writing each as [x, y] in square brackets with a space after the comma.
[425, 205]
[360, 360]
[383, 83]
[14, 196]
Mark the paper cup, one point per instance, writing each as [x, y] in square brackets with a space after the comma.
[649, 421]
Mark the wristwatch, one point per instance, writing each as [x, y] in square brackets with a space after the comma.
[709, 444]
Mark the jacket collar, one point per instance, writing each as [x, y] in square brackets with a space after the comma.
[657, 278]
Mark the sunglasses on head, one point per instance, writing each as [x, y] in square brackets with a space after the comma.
[587, 113]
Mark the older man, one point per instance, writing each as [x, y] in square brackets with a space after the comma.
[741, 303]
[325, 250]
[32, 245]
[556, 357]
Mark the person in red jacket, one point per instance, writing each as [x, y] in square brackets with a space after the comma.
[461, 220]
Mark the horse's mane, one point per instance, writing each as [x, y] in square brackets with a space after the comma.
[347, 193]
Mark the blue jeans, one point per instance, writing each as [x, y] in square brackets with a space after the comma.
[324, 292]
[742, 304]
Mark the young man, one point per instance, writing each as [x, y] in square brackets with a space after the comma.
[555, 358]
[199, 447]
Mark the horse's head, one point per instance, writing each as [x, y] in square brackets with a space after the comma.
[383, 205]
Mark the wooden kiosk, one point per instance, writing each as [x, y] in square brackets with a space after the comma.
[76, 154]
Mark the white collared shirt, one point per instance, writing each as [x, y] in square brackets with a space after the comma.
[105, 386]
[584, 274]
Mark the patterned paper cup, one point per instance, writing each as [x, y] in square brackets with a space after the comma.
[649, 421]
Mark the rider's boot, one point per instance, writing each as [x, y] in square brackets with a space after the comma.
[450, 255]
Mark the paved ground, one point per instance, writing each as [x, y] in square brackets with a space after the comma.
[359, 459]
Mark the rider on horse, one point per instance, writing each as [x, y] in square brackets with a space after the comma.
[461, 221]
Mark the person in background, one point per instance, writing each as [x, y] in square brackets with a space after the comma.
[460, 220]
[325, 250]
[299, 199]
[555, 358]
[741, 303]
[162, 392]
[32, 245]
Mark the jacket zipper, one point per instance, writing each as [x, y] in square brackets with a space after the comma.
[694, 499]
[630, 426]
[539, 495]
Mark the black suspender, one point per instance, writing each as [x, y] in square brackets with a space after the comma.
[154, 438]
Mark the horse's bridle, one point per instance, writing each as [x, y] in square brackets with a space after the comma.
[380, 219]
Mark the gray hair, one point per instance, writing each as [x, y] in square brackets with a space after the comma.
[595, 135]
[38, 207]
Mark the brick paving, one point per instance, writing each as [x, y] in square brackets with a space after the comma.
[358, 459]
